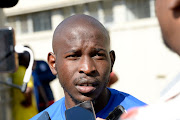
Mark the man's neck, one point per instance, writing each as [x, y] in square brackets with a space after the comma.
[102, 100]
[98, 104]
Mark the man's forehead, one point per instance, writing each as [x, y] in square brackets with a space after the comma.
[78, 40]
[77, 26]
[83, 47]
[79, 21]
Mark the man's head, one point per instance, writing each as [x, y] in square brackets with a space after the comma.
[82, 58]
[168, 13]
[24, 59]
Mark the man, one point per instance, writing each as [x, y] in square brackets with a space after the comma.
[83, 62]
[168, 13]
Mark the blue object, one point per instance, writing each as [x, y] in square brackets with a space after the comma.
[57, 110]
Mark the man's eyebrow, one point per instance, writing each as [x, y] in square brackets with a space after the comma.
[100, 49]
[95, 49]
[71, 51]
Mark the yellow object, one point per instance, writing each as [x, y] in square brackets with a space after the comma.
[19, 111]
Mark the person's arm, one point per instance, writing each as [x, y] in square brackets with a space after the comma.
[43, 94]
[40, 88]
[28, 94]
[28, 97]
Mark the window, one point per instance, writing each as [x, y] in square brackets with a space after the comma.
[93, 9]
[107, 6]
[68, 11]
[79, 9]
[137, 9]
[24, 24]
[41, 21]
[11, 21]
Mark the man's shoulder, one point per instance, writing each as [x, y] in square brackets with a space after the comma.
[119, 98]
[41, 61]
[115, 92]
[125, 99]
[42, 66]
[54, 110]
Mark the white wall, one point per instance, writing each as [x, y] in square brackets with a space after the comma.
[143, 63]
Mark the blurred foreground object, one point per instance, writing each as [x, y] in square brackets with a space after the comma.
[8, 3]
[8, 58]
[21, 49]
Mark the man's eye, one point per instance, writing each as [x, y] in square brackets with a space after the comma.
[72, 57]
[100, 55]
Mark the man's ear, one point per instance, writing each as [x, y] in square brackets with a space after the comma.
[113, 57]
[51, 61]
[174, 4]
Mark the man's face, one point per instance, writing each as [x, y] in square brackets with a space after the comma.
[82, 62]
[168, 13]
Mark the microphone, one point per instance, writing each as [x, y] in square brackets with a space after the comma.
[82, 111]
[21, 49]
[116, 113]
[8, 3]
[44, 116]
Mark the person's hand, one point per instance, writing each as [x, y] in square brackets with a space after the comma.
[28, 97]
[26, 103]
[99, 118]
[130, 114]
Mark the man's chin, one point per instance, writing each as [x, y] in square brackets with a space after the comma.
[84, 99]
[79, 97]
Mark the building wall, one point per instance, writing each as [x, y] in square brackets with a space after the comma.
[143, 64]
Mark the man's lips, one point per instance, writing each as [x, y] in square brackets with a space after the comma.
[86, 85]
[85, 88]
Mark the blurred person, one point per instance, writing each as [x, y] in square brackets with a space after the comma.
[83, 61]
[168, 14]
[42, 77]
[23, 104]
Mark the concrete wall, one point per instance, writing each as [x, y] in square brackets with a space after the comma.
[143, 63]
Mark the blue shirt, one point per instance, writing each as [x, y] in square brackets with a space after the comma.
[57, 110]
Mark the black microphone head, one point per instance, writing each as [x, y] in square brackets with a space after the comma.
[8, 3]
[44, 116]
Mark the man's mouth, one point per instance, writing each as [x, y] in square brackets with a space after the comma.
[86, 87]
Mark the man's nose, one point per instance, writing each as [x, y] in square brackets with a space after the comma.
[87, 65]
